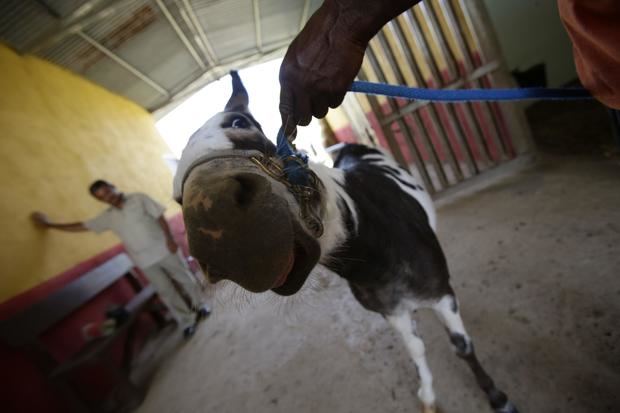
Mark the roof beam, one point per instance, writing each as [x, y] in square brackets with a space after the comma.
[257, 26]
[202, 35]
[127, 66]
[175, 26]
[87, 14]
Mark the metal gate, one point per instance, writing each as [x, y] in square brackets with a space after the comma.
[440, 44]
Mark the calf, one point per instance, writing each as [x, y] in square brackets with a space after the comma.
[368, 220]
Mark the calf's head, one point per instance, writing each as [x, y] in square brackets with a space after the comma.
[242, 224]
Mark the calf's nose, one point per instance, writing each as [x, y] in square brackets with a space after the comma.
[237, 228]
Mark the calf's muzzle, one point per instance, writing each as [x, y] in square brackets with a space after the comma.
[237, 228]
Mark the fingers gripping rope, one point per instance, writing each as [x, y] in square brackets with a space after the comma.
[295, 163]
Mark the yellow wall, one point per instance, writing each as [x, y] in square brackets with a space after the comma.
[58, 133]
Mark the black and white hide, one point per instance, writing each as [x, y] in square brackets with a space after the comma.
[244, 224]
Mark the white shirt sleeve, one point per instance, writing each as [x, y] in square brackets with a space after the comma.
[151, 207]
[99, 223]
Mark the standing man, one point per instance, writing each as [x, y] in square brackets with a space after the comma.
[140, 224]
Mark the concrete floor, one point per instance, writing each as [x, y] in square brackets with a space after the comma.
[535, 260]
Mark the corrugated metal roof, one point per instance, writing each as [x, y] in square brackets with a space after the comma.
[23, 21]
[152, 51]
[230, 25]
[128, 11]
[64, 53]
[65, 7]
[280, 21]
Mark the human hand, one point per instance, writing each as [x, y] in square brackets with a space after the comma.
[319, 67]
[172, 246]
[40, 219]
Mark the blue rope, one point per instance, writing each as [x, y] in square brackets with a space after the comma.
[296, 163]
[469, 95]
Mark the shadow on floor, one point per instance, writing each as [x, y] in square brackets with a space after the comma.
[572, 128]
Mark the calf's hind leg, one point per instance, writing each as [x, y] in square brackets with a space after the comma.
[448, 313]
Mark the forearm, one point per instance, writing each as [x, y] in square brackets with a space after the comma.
[364, 18]
[68, 227]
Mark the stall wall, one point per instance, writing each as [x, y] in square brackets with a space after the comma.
[531, 32]
[60, 132]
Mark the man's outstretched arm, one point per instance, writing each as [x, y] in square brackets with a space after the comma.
[41, 220]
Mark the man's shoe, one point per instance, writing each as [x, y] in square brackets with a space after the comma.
[189, 332]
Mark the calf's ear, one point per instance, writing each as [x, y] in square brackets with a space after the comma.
[239, 99]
